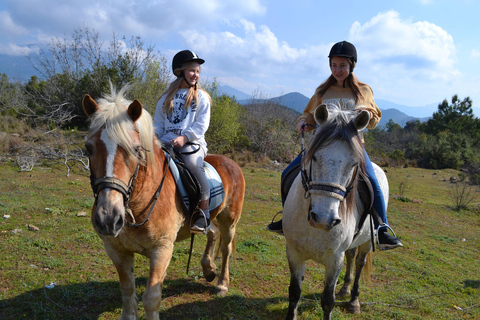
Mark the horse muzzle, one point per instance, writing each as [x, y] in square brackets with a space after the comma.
[324, 222]
[109, 216]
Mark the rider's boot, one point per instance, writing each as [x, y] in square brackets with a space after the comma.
[276, 226]
[385, 240]
[201, 223]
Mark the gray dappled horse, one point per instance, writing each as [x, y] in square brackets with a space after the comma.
[323, 208]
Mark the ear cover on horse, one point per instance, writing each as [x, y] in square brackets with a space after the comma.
[361, 120]
[89, 105]
[321, 114]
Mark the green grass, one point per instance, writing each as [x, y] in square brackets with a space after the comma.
[435, 276]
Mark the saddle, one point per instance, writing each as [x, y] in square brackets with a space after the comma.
[189, 187]
[365, 190]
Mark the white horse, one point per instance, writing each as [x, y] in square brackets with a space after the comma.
[323, 209]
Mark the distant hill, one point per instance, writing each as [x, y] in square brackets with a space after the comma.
[398, 113]
[17, 68]
[417, 112]
[398, 117]
[232, 92]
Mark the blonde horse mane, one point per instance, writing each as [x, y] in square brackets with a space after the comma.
[113, 117]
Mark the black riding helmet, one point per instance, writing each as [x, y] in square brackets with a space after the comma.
[183, 57]
[344, 49]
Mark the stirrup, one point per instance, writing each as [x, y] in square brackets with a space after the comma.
[207, 225]
[276, 214]
[278, 231]
[378, 240]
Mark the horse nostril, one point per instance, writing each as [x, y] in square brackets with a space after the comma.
[336, 222]
[119, 223]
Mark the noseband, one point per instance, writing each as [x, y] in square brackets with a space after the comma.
[326, 188]
[113, 183]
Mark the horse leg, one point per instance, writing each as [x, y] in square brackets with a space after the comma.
[332, 271]
[226, 231]
[297, 271]
[347, 281]
[124, 262]
[208, 260]
[159, 261]
[363, 251]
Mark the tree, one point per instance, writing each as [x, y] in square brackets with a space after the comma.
[225, 127]
[148, 87]
[456, 117]
[12, 99]
[74, 66]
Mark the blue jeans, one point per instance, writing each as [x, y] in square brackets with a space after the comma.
[378, 200]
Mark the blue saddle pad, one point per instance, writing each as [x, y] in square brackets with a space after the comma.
[217, 193]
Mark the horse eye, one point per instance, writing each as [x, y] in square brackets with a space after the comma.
[90, 148]
[139, 153]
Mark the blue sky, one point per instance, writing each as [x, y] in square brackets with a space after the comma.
[411, 52]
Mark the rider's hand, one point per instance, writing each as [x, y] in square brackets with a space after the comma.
[301, 126]
[179, 142]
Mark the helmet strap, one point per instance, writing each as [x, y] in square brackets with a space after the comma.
[182, 74]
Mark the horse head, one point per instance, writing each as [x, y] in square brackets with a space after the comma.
[331, 163]
[115, 150]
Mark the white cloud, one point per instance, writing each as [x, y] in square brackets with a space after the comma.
[251, 50]
[415, 62]
[15, 50]
[474, 54]
[144, 18]
[422, 48]
[9, 27]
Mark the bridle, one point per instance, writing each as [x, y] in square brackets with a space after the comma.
[104, 182]
[326, 188]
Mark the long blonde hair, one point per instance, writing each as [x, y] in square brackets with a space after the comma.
[169, 93]
[351, 81]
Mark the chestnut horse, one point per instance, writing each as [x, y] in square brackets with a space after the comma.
[322, 212]
[137, 205]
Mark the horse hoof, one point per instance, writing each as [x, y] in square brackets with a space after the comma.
[210, 277]
[343, 293]
[353, 308]
[221, 291]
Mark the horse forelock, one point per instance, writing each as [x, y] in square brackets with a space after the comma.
[112, 117]
[339, 127]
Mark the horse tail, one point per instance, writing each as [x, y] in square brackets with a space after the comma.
[367, 269]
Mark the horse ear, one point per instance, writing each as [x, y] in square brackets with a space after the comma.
[89, 105]
[321, 114]
[135, 110]
[361, 120]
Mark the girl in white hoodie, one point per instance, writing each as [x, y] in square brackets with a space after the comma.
[182, 117]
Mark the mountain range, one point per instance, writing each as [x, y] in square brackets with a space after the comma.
[399, 114]
[20, 68]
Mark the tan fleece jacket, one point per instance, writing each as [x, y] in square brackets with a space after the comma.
[344, 98]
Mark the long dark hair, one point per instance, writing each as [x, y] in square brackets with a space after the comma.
[352, 82]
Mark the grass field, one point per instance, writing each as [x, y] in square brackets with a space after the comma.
[435, 276]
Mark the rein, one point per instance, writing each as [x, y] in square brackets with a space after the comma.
[155, 198]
